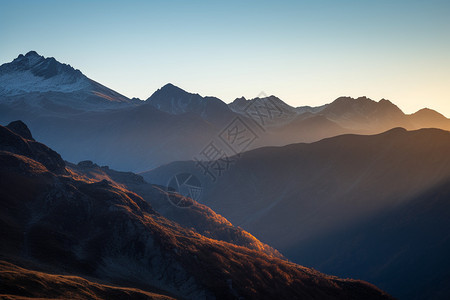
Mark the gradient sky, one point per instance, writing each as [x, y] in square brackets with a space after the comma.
[305, 52]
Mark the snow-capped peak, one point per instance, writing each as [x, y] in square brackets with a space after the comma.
[34, 73]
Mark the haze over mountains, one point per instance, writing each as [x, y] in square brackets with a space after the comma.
[84, 120]
[72, 223]
[354, 188]
[376, 206]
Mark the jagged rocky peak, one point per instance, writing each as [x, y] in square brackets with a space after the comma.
[40, 66]
[28, 60]
[43, 80]
[35, 73]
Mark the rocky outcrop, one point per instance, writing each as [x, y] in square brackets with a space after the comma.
[15, 138]
[21, 129]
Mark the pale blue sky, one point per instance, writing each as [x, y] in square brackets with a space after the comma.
[305, 52]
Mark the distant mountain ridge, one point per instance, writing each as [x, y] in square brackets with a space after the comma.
[173, 100]
[365, 114]
[83, 119]
[372, 206]
[359, 115]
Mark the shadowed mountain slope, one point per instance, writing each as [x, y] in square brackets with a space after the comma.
[97, 229]
[300, 197]
[20, 283]
[193, 215]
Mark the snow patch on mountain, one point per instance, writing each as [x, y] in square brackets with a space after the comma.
[34, 82]
[20, 82]
[35, 73]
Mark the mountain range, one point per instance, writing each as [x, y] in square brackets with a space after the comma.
[84, 120]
